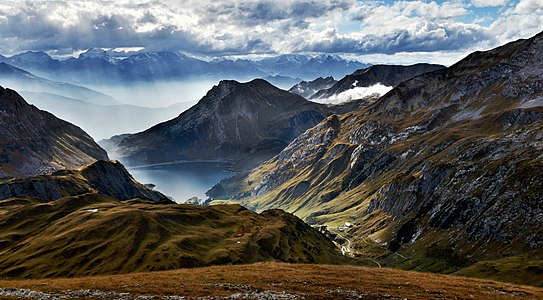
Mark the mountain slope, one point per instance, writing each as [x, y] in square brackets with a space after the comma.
[93, 234]
[248, 122]
[36, 142]
[445, 169]
[387, 75]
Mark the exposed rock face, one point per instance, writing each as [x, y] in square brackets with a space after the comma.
[309, 88]
[446, 168]
[108, 178]
[248, 122]
[388, 75]
[34, 142]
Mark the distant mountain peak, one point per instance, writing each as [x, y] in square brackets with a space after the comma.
[95, 53]
[32, 57]
[329, 57]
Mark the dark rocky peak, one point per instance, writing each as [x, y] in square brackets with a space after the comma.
[234, 121]
[390, 75]
[520, 51]
[309, 88]
[12, 103]
[256, 91]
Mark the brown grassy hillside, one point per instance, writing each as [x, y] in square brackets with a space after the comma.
[278, 281]
[93, 234]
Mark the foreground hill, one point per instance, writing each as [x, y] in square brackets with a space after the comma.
[34, 142]
[442, 173]
[270, 281]
[240, 122]
[94, 234]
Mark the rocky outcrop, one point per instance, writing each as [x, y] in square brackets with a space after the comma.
[108, 178]
[34, 142]
[444, 169]
[246, 123]
[309, 88]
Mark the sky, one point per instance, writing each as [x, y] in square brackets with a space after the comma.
[369, 31]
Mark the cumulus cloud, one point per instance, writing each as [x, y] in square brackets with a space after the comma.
[260, 27]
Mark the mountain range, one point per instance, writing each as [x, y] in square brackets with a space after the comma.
[442, 173]
[98, 67]
[244, 123]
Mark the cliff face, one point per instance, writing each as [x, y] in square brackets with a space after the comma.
[242, 122]
[36, 142]
[445, 169]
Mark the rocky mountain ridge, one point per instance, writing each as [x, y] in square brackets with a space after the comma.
[309, 88]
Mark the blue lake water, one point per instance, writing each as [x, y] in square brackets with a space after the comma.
[183, 180]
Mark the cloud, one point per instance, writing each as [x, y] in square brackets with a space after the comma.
[356, 93]
[260, 27]
[489, 3]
